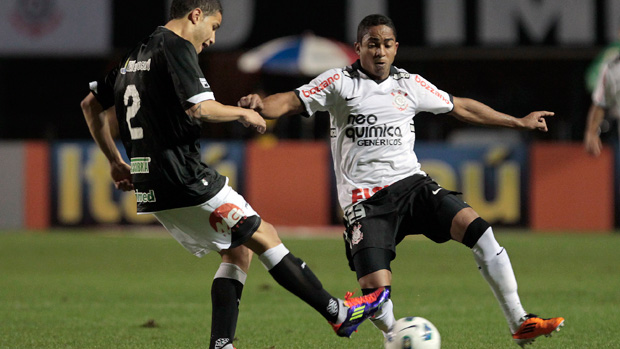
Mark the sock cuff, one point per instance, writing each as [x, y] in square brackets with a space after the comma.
[273, 256]
[487, 246]
[474, 231]
[231, 271]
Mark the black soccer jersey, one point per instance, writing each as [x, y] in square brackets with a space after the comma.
[151, 89]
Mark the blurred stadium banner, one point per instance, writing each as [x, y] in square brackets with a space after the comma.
[70, 27]
[548, 186]
[570, 190]
[492, 178]
[55, 27]
[289, 183]
[480, 23]
[82, 193]
[24, 185]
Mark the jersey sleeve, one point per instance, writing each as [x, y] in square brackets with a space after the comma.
[189, 82]
[103, 89]
[322, 92]
[430, 98]
[600, 96]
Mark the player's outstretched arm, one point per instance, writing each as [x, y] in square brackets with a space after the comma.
[274, 106]
[591, 138]
[96, 119]
[213, 111]
[472, 111]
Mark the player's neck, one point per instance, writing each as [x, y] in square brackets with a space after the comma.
[179, 27]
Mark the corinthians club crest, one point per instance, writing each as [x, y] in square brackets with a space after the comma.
[35, 17]
[356, 234]
[399, 101]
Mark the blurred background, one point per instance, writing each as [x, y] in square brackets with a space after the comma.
[515, 55]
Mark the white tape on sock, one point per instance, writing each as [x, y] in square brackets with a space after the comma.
[231, 271]
[273, 256]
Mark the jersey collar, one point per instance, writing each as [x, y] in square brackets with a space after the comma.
[393, 71]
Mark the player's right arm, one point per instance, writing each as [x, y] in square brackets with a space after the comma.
[214, 111]
[274, 106]
[97, 120]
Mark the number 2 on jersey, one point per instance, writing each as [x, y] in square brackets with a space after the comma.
[132, 92]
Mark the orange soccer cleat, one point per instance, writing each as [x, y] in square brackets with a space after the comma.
[533, 327]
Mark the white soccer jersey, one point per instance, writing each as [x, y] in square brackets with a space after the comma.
[607, 92]
[372, 127]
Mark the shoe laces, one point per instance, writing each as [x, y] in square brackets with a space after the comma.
[533, 316]
[351, 301]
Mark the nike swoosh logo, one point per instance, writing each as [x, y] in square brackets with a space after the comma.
[349, 98]
[436, 191]
[500, 252]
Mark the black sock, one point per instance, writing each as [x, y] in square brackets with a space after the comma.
[366, 291]
[294, 275]
[225, 298]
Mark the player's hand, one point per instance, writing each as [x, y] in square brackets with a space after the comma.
[536, 120]
[593, 144]
[252, 118]
[121, 174]
[252, 101]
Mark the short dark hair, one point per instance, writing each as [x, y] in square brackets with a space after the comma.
[373, 21]
[180, 8]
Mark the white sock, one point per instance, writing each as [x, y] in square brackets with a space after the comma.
[495, 267]
[342, 312]
[384, 317]
[273, 256]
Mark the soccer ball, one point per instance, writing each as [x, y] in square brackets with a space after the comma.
[413, 333]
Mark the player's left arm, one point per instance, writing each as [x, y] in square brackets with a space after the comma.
[591, 137]
[474, 112]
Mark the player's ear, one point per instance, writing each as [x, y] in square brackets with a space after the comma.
[357, 46]
[194, 15]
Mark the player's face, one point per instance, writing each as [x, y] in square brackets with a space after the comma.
[205, 33]
[377, 51]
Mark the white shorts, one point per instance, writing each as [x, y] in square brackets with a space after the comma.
[223, 222]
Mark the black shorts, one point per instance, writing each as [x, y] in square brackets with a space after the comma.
[414, 205]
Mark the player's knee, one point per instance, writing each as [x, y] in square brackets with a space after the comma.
[240, 256]
[268, 231]
[474, 231]
[264, 238]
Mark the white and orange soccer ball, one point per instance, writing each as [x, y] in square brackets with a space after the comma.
[413, 333]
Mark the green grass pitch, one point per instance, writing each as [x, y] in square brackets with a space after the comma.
[79, 289]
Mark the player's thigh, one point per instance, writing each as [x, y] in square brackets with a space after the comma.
[370, 244]
[372, 266]
[223, 222]
[435, 211]
[264, 238]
